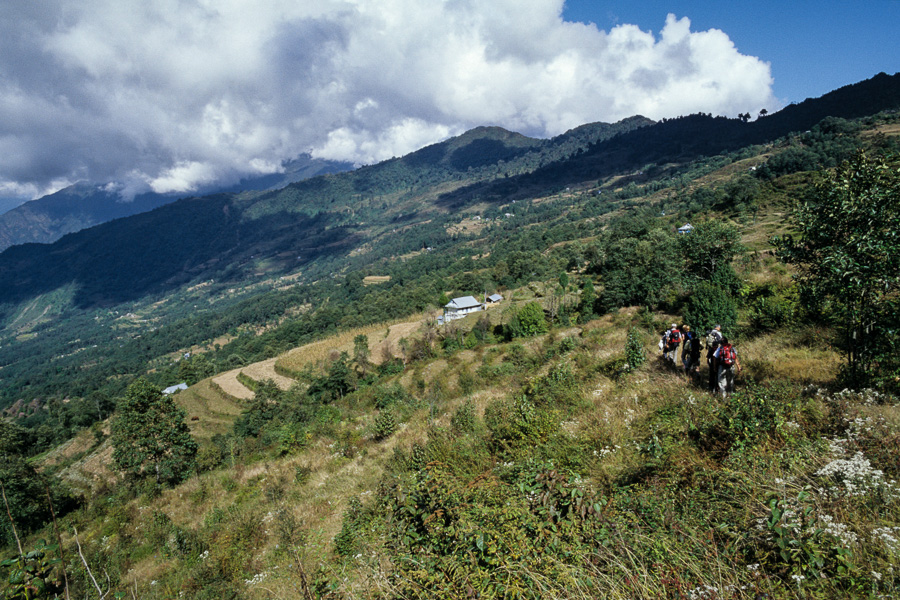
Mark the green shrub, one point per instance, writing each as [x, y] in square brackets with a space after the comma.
[527, 321]
[347, 540]
[464, 420]
[390, 395]
[771, 310]
[758, 412]
[709, 305]
[797, 545]
[635, 355]
[385, 425]
[516, 422]
[558, 387]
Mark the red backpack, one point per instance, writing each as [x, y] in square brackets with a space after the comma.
[674, 337]
[727, 355]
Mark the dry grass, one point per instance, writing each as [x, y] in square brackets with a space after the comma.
[264, 370]
[774, 356]
[376, 279]
[381, 336]
[208, 411]
[228, 382]
[91, 472]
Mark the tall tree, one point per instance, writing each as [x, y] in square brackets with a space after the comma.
[709, 250]
[847, 253]
[150, 437]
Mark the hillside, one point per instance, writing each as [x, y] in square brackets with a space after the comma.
[536, 466]
[349, 447]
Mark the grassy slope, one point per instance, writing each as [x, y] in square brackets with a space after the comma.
[647, 444]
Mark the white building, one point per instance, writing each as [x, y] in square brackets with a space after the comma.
[174, 388]
[460, 307]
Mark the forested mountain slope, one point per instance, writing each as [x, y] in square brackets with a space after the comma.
[45, 220]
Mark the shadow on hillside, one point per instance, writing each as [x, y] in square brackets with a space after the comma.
[161, 250]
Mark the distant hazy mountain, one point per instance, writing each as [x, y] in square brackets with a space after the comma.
[83, 205]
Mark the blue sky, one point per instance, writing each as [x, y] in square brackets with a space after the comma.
[182, 95]
[813, 47]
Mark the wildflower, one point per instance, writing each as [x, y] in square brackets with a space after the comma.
[857, 476]
[888, 536]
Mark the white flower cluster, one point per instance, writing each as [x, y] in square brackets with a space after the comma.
[710, 592]
[570, 427]
[863, 426]
[703, 592]
[838, 530]
[836, 447]
[866, 397]
[857, 476]
[257, 579]
[888, 536]
[606, 450]
[204, 556]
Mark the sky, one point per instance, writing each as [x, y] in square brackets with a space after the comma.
[176, 95]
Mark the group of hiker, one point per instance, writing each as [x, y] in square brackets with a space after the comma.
[721, 357]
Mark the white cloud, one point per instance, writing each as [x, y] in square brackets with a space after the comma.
[170, 95]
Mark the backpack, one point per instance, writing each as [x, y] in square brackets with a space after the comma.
[727, 355]
[674, 337]
[712, 340]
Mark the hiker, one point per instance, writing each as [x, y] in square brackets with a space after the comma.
[690, 353]
[727, 361]
[713, 339]
[687, 336]
[671, 340]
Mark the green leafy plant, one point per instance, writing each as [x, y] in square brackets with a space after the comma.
[635, 354]
[528, 321]
[33, 575]
[385, 425]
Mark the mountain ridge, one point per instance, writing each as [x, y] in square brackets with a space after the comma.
[82, 205]
[372, 200]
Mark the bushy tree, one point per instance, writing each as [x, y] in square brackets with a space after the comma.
[25, 491]
[847, 253]
[586, 303]
[708, 251]
[528, 321]
[640, 271]
[710, 305]
[339, 379]
[635, 353]
[150, 437]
